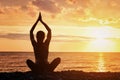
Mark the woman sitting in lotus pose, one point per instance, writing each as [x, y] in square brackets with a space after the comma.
[41, 50]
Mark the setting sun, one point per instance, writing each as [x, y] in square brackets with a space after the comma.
[101, 33]
[101, 42]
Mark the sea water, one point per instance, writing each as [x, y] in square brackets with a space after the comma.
[81, 61]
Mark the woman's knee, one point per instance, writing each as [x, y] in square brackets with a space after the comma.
[57, 60]
[29, 62]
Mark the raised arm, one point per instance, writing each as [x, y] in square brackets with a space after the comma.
[47, 41]
[31, 32]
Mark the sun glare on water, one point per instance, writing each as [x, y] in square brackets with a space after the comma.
[101, 63]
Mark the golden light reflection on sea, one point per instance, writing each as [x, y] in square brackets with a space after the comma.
[101, 63]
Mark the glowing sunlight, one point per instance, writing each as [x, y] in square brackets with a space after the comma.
[101, 63]
[101, 32]
[101, 40]
[101, 45]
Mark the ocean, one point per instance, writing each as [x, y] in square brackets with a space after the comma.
[80, 61]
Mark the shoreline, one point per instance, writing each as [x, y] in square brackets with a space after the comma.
[63, 75]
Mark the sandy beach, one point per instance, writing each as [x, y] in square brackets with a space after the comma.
[63, 75]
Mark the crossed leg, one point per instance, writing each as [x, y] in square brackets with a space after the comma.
[32, 65]
[54, 64]
[39, 68]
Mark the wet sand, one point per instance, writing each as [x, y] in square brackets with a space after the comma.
[63, 75]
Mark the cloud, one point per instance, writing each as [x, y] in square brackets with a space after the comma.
[95, 8]
[101, 10]
[105, 8]
[57, 38]
[15, 36]
[47, 5]
[18, 7]
[69, 38]
[78, 12]
[1, 11]
[7, 3]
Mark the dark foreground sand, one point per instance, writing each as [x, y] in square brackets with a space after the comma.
[63, 75]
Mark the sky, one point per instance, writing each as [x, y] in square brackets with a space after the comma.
[77, 25]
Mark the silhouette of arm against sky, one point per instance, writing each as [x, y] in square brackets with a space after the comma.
[47, 41]
[31, 33]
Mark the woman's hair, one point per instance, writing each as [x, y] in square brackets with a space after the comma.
[40, 36]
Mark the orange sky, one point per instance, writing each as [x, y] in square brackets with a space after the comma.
[77, 25]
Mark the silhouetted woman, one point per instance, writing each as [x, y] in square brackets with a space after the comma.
[41, 50]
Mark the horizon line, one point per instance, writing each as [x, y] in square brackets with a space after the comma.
[63, 51]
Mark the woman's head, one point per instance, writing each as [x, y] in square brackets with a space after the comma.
[40, 36]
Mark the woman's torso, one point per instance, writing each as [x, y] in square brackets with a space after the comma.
[41, 53]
